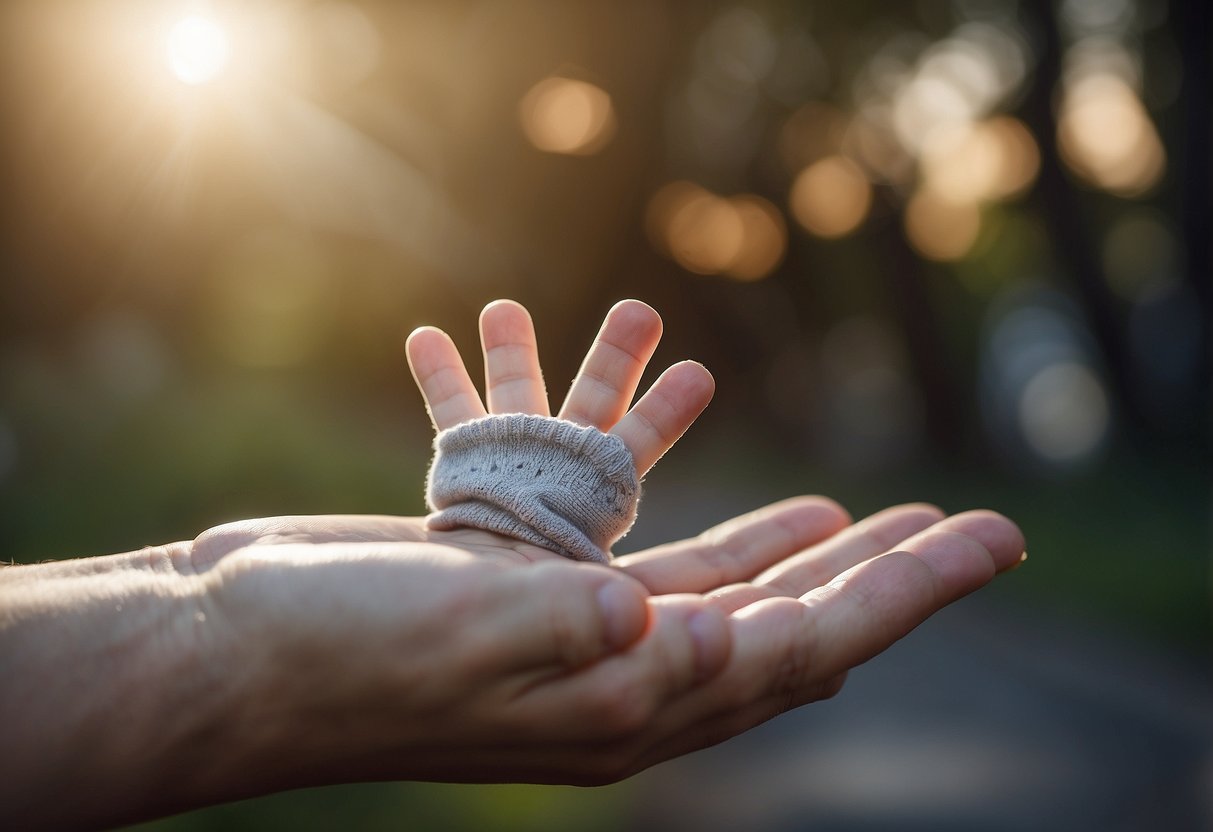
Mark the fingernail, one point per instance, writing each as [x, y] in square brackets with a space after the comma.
[1022, 560]
[621, 608]
[707, 629]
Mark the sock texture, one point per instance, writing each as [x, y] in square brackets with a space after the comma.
[568, 488]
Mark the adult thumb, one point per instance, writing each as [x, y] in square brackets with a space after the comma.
[568, 614]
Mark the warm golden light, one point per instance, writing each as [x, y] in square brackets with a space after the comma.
[940, 228]
[743, 237]
[764, 238]
[706, 233]
[663, 207]
[961, 162]
[349, 40]
[561, 115]
[830, 198]
[1106, 137]
[196, 49]
[872, 143]
[994, 159]
[1019, 161]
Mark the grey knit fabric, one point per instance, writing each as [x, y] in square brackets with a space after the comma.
[568, 488]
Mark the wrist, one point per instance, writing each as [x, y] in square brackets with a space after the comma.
[289, 683]
[111, 698]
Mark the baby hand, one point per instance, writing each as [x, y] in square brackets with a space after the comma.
[569, 486]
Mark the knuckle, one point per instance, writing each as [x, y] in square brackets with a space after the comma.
[717, 557]
[575, 625]
[615, 354]
[601, 380]
[215, 543]
[793, 667]
[568, 633]
[511, 379]
[653, 432]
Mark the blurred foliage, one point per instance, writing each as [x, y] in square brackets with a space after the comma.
[416, 805]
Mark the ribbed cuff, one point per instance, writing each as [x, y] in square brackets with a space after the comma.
[559, 485]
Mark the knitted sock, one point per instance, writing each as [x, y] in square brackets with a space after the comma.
[568, 488]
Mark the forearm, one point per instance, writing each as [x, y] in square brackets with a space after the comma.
[108, 711]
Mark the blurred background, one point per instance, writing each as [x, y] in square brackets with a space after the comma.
[945, 250]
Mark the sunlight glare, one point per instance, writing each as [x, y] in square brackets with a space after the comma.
[196, 49]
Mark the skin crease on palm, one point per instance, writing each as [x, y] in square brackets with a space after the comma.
[328, 649]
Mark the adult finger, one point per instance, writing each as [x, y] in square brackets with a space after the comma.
[450, 397]
[818, 564]
[513, 379]
[736, 550]
[866, 539]
[870, 606]
[786, 652]
[699, 722]
[619, 696]
[664, 413]
[606, 382]
[729, 599]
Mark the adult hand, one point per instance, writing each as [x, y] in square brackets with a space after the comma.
[387, 651]
[280, 653]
